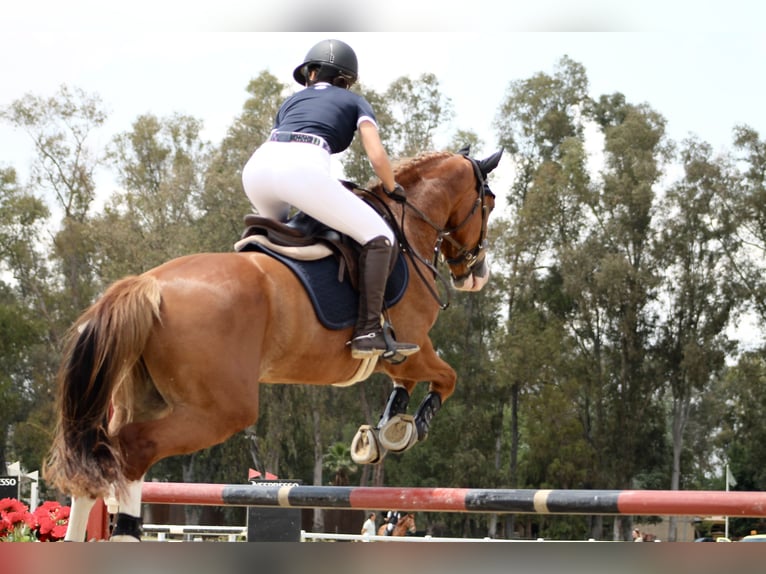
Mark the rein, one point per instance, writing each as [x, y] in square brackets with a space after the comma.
[470, 256]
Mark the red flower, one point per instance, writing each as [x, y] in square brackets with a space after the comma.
[12, 505]
[12, 512]
[5, 526]
[52, 521]
[14, 515]
[48, 523]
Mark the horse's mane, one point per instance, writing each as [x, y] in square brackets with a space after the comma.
[404, 165]
[404, 168]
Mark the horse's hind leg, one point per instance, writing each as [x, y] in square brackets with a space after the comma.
[183, 430]
[79, 513]
[127, 527]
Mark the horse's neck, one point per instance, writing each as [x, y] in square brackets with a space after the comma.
[421, 235]
[402, 527]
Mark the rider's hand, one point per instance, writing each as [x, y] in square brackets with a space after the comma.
[398, 193]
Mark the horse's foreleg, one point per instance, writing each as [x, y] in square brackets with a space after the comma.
[127, 527]
[396, 430]
[370, 444]
[78, 518]
[442, 384]
[397, 404]
[429, 406]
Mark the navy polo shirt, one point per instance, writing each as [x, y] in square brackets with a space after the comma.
[324, 110]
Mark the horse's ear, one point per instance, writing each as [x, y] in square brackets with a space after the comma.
[465, 150]
[486, 165]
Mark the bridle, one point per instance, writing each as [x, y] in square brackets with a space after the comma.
[470, 256]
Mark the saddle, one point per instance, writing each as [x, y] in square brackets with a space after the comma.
[302, 238]
[324, 260]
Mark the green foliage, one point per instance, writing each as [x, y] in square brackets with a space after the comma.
[337, 462]
[409, 115]
[742, 439]
[221, 202]
[418, 109]
[595, 358]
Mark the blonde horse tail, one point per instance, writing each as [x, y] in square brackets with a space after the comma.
[100, 359]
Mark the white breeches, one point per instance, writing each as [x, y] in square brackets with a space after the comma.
[281, 174]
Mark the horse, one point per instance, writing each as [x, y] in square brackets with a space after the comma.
[169, 361]
[406, 524]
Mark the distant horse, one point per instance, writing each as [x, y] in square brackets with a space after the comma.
[169, 362]
[406, 524]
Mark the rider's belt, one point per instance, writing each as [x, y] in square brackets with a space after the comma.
[300, 137]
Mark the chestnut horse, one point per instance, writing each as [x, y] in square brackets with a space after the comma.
[406, 524]
[169, 362]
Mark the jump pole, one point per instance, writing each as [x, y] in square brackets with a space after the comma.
[504, 501]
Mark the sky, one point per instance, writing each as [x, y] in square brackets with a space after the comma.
[700, 64]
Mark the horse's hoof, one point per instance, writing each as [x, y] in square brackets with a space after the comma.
[365, 448]
[399, 433]
[124, 538]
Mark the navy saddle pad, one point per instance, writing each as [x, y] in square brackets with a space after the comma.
[337, 303]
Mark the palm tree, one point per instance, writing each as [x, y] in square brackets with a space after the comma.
[338, 461]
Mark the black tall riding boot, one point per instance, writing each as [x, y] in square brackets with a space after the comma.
[369, 339]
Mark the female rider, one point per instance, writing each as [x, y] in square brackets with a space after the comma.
[292, 168]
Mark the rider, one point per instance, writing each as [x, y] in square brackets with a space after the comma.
[391, 519]
[293, 168]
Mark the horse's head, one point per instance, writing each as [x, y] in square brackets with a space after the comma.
[449, 193]
[465, 238]
[409, 522]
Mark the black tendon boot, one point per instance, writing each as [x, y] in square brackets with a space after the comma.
[430, 405]
[396, 405]
[127, 525]
[369, 339]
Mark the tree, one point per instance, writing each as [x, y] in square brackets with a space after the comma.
[23, 219]
[26, 339]
[742, 435]
[160, 165]
[20, 333]
[408, 114]
[540, 123]
[626, 276]
[692, 345]
[581, 239]
[60, 127]
[222, 203]
[419, 109]
[53, 273]
[337, 461]
[743, 209]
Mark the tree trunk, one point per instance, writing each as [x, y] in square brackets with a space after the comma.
[191, 513]
[680, 412]
[596, 527]
[318, 453]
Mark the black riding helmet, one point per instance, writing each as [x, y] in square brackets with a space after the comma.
[333, 54]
